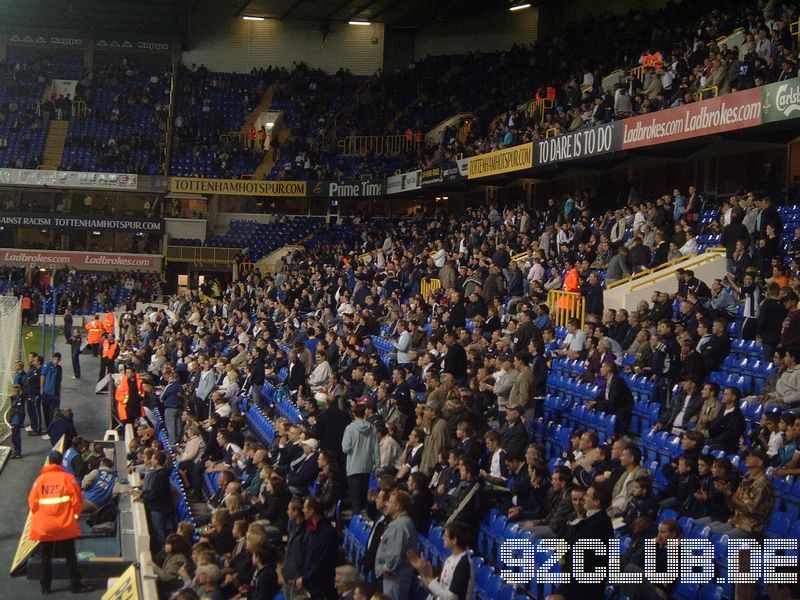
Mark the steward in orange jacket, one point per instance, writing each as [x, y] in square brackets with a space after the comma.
[108, 322]
[572, 284]
[129, 402]
[95, 335]
[56, 502]
[108, 356]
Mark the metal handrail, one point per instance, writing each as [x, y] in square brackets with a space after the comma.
[387, 145]
[704, 259]
[713, 89]
[79, 108]
[205, 255]
[173, 85]
[646, 272]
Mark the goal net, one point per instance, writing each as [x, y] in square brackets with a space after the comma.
[10, 352]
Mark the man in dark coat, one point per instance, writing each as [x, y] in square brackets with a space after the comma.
[616, 397]
[595, 526]
[330, 426]
[322, 553]
[455, 361]
[728, 426]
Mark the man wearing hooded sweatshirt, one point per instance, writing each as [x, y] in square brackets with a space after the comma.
[360, 446]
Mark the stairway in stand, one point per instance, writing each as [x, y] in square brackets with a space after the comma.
[267, 163]
[54, 145]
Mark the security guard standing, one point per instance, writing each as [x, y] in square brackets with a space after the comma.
[129, 397]
[95, 335]
[56, 503]
[109, 355]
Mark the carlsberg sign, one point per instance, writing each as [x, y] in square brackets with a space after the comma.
[781, 101]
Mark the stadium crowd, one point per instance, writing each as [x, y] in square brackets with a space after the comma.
[681, 64]
[407, 412]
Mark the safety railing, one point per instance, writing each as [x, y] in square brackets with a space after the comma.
[387, 145]
[202, 255]
[233, 139]
[565, 306]
[79, 108]
[711, 91]
[794, 29]
[708, 256]
[173, 87]
[636, 72]
[355, 99]
[539, 108]
[428, 286]
[640, 274]
[552, 132]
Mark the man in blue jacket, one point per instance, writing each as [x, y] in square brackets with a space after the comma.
[51, 387]
[32, 389]
[360, 446]
[172, 401]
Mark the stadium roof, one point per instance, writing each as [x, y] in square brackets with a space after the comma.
[172, 17]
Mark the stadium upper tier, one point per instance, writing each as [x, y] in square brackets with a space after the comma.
[523, 94]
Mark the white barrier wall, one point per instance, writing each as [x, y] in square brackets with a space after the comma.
[707, 267]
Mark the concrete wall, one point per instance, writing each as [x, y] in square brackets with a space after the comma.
[186, 228]
[232, 44]
[482, 33]
[706, 267]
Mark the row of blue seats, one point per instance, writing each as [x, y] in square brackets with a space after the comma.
[576, 415]
[183, 511]
[261, 425]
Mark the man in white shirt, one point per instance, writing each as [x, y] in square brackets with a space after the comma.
[205, 386]
[402, 344]
[440, 256]
[573, 343]
[691, 246]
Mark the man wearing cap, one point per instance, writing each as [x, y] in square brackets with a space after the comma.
[437, 437]
[303, 470]
[751, 503]
[56, 502]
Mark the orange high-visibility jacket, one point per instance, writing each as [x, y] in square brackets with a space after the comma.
[95, 331]
[108, 322]
[56, 503]
[110, 350]
[121, 396]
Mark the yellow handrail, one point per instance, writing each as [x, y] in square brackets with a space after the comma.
[702, 261]
[565, 306]
[519, 256]
[794, 29]
[641, 274]
[387, 145]
[428, 286]
[713, 89]
[637, 72]
[542, 105]
[202, 255]
[554, 131]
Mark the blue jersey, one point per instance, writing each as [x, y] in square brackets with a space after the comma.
[102, 488]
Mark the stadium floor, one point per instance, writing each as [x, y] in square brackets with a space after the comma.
[18, 476]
